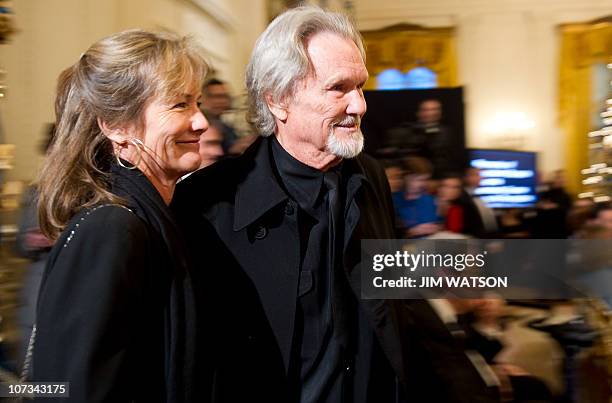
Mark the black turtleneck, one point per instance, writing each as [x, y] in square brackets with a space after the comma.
[303, 183]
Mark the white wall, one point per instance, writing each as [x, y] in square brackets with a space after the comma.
[508, 61]
[53, 33]
[507, 54]
[48, 41]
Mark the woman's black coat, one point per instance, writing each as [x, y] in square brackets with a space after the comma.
[115, 315]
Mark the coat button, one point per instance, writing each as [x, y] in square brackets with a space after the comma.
[289, 209]
[348, 366]
[261, 232]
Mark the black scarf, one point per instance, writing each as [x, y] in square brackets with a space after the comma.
[180, 316]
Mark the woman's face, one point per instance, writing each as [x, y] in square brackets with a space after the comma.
[450, 189]
[416, 183]
[171, 134]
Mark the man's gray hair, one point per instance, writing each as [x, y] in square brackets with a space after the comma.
[279, 60]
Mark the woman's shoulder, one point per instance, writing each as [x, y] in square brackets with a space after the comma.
[113, 222]
[101, 243]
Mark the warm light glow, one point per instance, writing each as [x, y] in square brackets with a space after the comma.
[592, 180]
[509, 122]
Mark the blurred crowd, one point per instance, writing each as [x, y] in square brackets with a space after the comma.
[448, 206]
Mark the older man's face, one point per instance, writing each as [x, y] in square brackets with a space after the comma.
[326, 108]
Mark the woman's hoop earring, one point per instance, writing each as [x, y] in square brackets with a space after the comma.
[139, 146]
[121, 163]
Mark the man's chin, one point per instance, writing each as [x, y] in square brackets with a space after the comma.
[345, 146]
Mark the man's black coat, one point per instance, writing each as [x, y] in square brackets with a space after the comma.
[243, 229]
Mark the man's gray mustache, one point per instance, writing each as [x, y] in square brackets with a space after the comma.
[349, 121]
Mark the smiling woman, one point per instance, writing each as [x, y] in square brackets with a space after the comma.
[117, 285]
[169, 140]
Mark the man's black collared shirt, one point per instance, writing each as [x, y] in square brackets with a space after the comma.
[320, 345]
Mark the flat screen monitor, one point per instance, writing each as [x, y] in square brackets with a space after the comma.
[508, 178]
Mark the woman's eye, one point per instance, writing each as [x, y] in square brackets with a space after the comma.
[199, 105]
[180, 105]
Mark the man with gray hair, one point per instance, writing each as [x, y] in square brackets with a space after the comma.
[281, 227]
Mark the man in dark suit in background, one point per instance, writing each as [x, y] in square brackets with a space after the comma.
[281, 226]
[479, 220]
[217, 100]
[427, 138]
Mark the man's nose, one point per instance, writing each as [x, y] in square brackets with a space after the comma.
[357, 104]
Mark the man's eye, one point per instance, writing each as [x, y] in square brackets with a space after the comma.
[180, 105]
[337, 87]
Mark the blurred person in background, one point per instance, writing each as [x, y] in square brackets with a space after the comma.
[480, 319]
[552, 208]
[427, 138]
[216, 101]
[459, 341]
[211, 144]
[555, 191]
[31, 244]
[582, 212]
[597, 270]
[512, 224]
[479, 220]
[449, 206]
[594, 274]
[444, 368]
[416, 209]
[603, 216]
[286, 222]
[395, 176]
[116, 316]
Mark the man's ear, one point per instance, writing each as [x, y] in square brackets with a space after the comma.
[278, 109]
[116, 135]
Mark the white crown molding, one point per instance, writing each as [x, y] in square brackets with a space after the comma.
[429, 21]
[370, 11]
[369, 19]
[221, 15]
